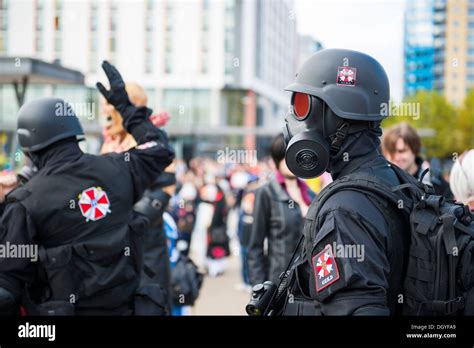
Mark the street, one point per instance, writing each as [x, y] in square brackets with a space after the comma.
[220, 296]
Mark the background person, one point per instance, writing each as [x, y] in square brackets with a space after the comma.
[461, 179]
[278, 215]
[401, 145]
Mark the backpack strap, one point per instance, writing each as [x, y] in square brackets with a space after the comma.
[410, 183]
[366, 183]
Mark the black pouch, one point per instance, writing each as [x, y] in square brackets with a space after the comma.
[466, 267]
[466, 277]
[299, 301]
[53, 308]
[151, 299]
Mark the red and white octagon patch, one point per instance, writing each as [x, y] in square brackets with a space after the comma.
[94, 203]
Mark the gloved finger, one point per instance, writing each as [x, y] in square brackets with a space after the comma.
[106, 67]
[113, 75]
[102, 90]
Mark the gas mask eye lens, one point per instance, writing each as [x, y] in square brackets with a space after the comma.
[301, 105]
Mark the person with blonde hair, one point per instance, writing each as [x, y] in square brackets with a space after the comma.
[116, 138]
[461, 179]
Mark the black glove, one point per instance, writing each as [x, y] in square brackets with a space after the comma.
[117, 96]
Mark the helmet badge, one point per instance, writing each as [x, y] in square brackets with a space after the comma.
[346, 76]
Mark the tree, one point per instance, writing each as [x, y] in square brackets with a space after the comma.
[466, 122]
[429, 110]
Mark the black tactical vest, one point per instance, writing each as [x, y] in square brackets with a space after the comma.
[89, 240]
[304, 297]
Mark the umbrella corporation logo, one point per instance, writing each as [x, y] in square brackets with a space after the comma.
[325, 267]
[94, 203]
[346, 76]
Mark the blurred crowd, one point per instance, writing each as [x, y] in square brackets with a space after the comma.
[256, 210]
[223, 208]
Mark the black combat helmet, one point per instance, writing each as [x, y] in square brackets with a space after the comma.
[44, 121]
[336, 93]
[353, 84]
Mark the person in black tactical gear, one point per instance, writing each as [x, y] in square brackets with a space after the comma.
[156, 274]
[355, 245]
[77, 210]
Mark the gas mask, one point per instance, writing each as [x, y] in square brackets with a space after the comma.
[310, 131]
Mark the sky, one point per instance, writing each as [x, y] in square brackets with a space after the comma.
[374, 27]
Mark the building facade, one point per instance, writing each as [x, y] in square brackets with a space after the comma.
[439, 47]
[218, 67]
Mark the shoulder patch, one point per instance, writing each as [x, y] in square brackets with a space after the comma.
[325, 268]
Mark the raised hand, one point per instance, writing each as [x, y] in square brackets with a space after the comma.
[117, 95]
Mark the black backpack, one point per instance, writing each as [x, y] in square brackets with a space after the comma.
[186, 282]
[440, 273]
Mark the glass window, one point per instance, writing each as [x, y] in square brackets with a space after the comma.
[112, 44]
[150, 4]
[149, 63]
[168, 64]
[234, 107]
[58, 43]
[3, 42]
[94, 43]
[39, 41]
[94, 21]
[93, 62]
[187, 107]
